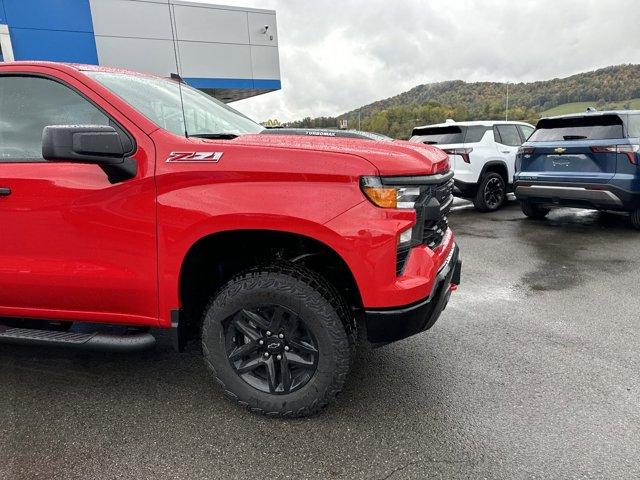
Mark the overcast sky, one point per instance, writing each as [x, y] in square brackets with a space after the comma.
[336, 55]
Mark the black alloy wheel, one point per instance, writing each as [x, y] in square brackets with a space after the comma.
[491, 194]
[275, 338]
[271, 349]
[494, 193]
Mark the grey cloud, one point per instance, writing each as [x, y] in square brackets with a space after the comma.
[337, 55]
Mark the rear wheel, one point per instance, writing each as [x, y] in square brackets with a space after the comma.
[276, 342]
[492, 193]
[533, 210]
[635, 219]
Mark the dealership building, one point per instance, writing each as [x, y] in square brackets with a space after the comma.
[228, 52]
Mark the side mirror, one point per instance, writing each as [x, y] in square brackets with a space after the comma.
[97, 144]
[82, 144]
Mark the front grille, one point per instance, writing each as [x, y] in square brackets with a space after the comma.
[435, 223]
[444, 193]
[432, 208]
[434, 231]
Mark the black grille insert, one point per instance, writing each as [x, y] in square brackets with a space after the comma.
[432, 208]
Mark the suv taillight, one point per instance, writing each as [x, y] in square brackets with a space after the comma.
[526, 151]
[631, 151]
[463, 152]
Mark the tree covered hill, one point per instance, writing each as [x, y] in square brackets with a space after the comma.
[435, 102]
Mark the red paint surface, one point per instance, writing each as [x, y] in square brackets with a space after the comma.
[74, 246]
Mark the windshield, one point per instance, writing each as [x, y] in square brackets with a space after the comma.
[596, 127]
[158, 99]
[438, 135]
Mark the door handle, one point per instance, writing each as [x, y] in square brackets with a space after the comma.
[5, 191]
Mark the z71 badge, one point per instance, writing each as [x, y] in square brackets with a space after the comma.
[212, 157]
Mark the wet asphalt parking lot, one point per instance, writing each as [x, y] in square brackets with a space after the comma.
[533, 371]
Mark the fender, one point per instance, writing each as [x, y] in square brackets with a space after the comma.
[492, 163]
[170, 264]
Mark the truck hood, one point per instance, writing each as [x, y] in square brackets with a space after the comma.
[395, 157]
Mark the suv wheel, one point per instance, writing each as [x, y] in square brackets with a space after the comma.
[533, 210]
[275, 340]
[491, 194]
[635, 219]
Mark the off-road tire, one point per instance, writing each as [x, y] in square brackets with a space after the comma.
[635, 219]
[483, 199]
[317, 304]
[533, 210]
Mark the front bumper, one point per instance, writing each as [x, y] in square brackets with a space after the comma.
[391, 324]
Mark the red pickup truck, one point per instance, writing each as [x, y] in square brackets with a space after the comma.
[138, 203]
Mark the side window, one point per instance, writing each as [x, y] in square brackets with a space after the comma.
[525, 131]
[508, 135]
[475, 133]
[28, 104]
[633, 126]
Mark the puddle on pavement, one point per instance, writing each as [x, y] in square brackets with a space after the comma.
[564, 244]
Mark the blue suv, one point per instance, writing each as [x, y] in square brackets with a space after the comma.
[587, 160]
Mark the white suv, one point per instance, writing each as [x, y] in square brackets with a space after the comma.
[482, 156]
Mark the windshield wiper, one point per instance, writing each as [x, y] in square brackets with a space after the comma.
[430, 142]
[215, 136]
[574, 137]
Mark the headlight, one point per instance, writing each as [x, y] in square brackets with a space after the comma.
[389, 196]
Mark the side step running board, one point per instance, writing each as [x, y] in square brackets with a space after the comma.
[87, 341]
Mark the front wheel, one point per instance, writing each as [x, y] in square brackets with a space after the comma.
[492, 193]
[635, 219]
[533, 210]
[275, 340]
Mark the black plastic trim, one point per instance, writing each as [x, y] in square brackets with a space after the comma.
[178, 336]
[121, 172]
[392, 324]
[86, 341]
[492, 163]
[418, 180]
[466, 189]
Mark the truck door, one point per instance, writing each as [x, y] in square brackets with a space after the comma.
[73, 244]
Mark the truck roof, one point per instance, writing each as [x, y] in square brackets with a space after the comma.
[75, 66]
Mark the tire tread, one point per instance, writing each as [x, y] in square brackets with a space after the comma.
[635, 219]
[478, 199]
[534, 211]
[272, 273]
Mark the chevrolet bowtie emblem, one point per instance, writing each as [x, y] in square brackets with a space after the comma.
[560, 150]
